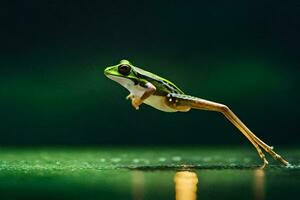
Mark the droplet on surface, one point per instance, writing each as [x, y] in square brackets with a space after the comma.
[162, 159]
[176, 158]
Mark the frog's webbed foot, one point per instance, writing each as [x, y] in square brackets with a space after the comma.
[136, 102]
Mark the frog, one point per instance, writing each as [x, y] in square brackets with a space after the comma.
[148, 88]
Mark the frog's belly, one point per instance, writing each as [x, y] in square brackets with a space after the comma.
[158, 102]
[136, 90]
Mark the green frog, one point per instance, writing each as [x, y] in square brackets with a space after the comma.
[160, 93]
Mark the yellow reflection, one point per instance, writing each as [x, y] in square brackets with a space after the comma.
[186, 185]
[259, 184]
[138, 185]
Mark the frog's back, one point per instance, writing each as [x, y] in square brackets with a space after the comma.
[162, 85]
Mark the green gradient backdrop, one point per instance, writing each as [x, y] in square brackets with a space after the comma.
[241, 53]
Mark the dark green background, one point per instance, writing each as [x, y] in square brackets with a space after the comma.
[241, 53]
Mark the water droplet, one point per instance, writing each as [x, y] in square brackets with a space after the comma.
[162, 159]
[176, 158]
[146, 161]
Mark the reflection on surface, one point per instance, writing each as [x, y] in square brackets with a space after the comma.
[138, 182]
[215, 184]
[186, 185]
[147, 184]
[259, 184]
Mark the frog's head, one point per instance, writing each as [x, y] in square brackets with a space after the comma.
[122, 72]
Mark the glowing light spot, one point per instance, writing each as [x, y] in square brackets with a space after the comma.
[162, 159]
[176, 158]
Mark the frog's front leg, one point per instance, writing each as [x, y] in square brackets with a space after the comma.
[137, 100]
[130, 96]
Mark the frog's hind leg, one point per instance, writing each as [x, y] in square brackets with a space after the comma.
[185, 101]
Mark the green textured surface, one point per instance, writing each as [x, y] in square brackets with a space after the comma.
[141, 173]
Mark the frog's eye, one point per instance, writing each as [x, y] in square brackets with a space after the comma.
[124, 69]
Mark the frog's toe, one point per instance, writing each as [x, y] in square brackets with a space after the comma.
[136, 102]
[130, 96]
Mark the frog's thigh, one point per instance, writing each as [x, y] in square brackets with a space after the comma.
[174, 103]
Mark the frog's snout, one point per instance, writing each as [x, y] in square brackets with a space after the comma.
[107, 70]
